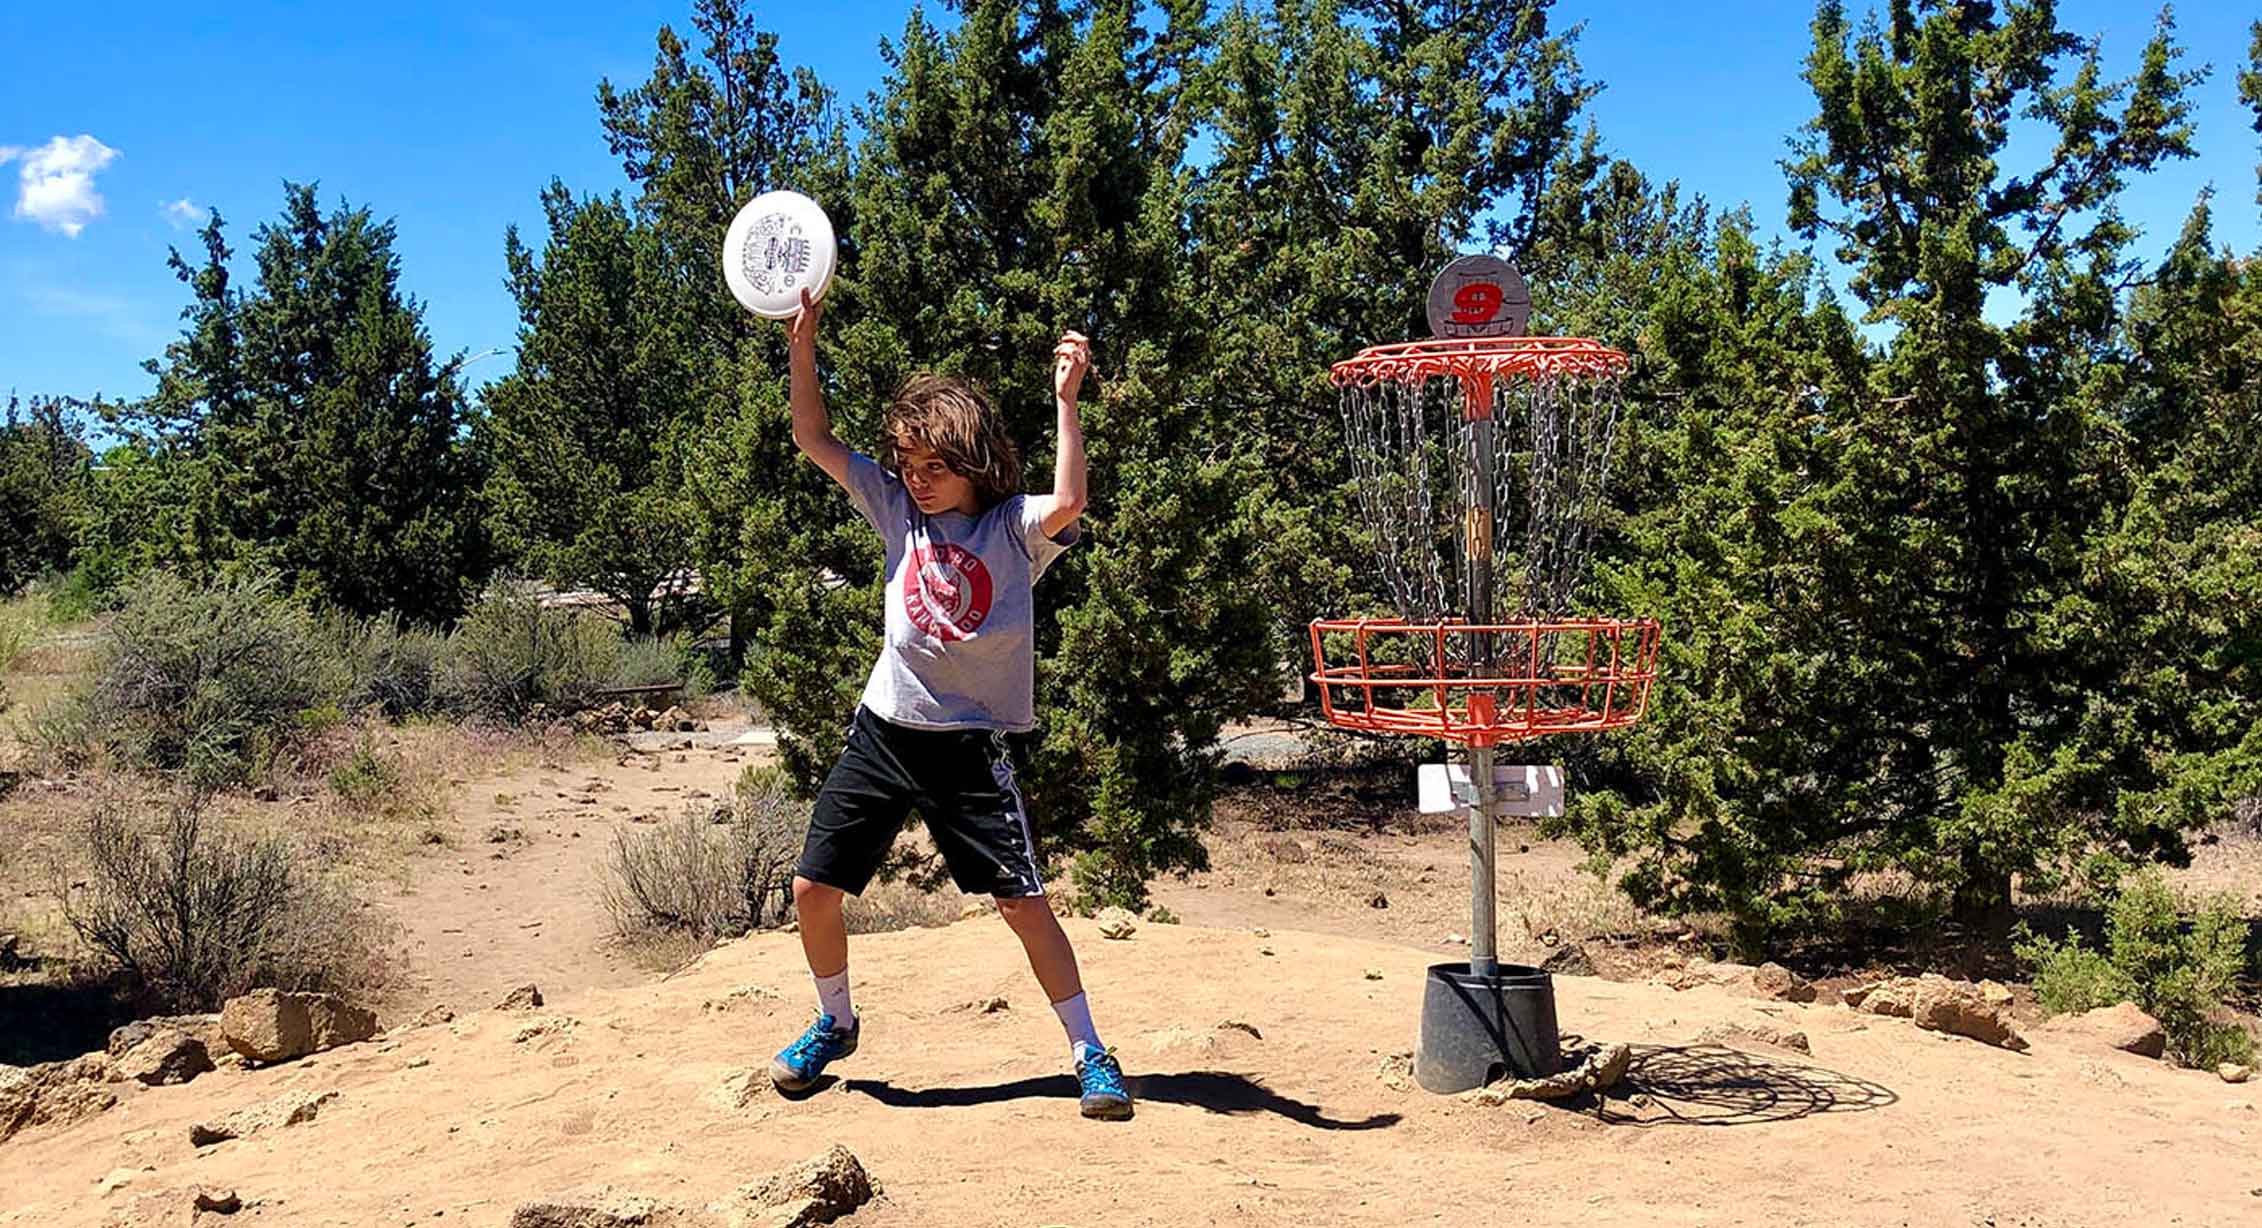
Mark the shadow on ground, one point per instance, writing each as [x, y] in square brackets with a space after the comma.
[1713, 1085]
[1216, 1091]
[52, 1021]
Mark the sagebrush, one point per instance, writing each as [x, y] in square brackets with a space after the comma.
[716, 870]
[191, 912]
[209, 680]
[511, 654]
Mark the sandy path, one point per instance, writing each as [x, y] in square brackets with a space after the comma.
[503, 908]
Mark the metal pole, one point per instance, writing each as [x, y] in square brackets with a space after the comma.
[1483, 954]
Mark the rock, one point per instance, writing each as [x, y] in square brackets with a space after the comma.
[433, 1016]
[1456, 940]
[1736, 1035]
[744, 993]
[1601, 1069]
[168, 1056]
[1396, 1071]
[1779, 984]
[203, 1027]
[541, 1026]
[220, 1201]
[1374, 974]
[605, 1208]
[738, 1089]
[1994, 993]
[984, 1006]
[815, 1191]
[11, 956]
[1236, 1025]
[1285, 849]
[288, 1109]
[1378, 900]
[2234, 1072]
[1570, 959]
[118, 1179]
[269, 1025]
[523, 998]
[1117, 923]
[504, 834]
[1260, 932]
[1938, 1004]
[126, 1035]
[975, 908]
[53, 1093]
[2123, 1026]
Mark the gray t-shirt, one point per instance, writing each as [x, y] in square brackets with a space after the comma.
[961, 647]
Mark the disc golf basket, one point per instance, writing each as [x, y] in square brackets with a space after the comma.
[1480, 459]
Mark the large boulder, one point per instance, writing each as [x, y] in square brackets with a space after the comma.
[270, 1025]
[56, 1093]
[2123, 1026]
[1938, 1004]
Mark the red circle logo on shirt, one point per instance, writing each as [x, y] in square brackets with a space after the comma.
[946, 591]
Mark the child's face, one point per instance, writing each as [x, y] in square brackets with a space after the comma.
[931, 482]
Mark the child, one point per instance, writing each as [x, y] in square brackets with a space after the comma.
[955, 675]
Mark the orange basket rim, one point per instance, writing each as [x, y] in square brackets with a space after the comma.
[1480, 357]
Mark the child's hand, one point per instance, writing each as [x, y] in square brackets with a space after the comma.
[801, 331]
[1071, 358]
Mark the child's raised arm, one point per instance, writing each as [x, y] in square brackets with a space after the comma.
[1058, 511]
[812, 426]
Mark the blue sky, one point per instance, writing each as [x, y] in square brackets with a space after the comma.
[450, 118]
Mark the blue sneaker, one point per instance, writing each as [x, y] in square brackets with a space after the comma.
[797, 1066]
[1101, 1077]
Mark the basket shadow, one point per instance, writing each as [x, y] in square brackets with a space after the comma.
[1713, 1085]
[1214, 1090]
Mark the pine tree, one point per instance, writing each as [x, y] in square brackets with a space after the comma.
[323, 439]
[586, 485]
[44, 485]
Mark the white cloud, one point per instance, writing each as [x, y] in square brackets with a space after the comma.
[57, 181]
[183, 214]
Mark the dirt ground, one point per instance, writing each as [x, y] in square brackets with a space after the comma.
[967, 1117]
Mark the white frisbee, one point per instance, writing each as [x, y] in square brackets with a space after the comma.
[780, 244]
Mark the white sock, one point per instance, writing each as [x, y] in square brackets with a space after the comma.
[1076, 1017]
[832, 998]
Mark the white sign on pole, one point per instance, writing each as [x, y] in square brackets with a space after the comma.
[1524, 791]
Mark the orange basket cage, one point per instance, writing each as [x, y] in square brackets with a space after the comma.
[1576, 675]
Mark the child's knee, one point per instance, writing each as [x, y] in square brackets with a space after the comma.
[810, 896]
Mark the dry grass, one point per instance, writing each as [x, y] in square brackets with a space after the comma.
[886, 907]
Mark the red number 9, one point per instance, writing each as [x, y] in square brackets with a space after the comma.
[1476, 302]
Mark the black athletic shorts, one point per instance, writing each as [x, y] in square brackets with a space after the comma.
[962, 782]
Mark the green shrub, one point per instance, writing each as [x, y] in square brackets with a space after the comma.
[650, 660]
[74, 597]
[2179, 973]
[510, 654]
[191, 913]
[209, 680]
[364, 778]
[391, 667]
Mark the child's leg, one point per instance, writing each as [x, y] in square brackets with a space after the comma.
[824, 941]
[1053, 959]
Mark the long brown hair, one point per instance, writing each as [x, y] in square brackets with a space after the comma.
[950, 417]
